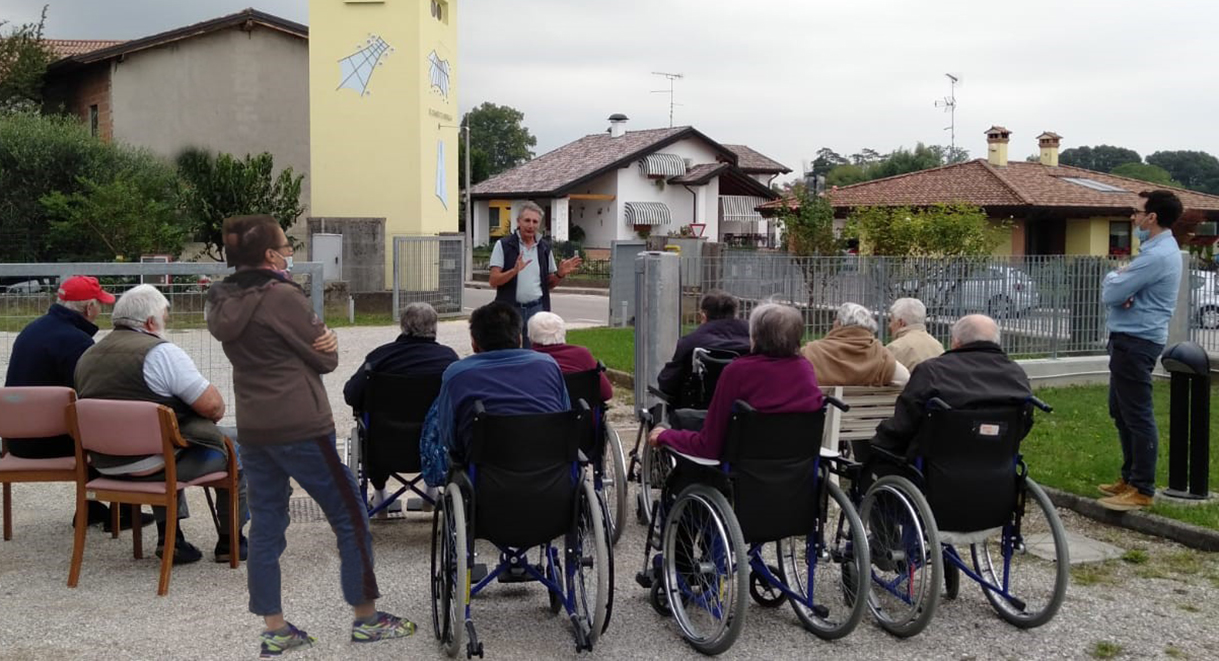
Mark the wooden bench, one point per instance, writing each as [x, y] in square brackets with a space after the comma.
[869, 407]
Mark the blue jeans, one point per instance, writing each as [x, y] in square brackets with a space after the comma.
[1131, 360]
[527, 311]
[315, 465]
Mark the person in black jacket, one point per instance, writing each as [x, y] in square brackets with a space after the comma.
[523, 270]
[718, 329]
[415, 353]
[975, 373]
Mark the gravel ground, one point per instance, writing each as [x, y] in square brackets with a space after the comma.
[1163, 605]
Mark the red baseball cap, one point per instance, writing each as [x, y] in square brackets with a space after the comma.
[83, 288]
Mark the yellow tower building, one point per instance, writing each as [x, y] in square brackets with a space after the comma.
[383, 115]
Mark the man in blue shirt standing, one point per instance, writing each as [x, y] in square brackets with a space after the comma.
[527, 284]
[1140, 299]
[507, 379]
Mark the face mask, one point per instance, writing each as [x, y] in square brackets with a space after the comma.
[288, 263]
[1142, 234]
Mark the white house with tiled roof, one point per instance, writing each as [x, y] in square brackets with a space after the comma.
[621, 184]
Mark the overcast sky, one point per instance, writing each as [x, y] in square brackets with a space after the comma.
[789, 76]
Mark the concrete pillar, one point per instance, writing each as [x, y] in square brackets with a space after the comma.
[657, 318]
[559, 213]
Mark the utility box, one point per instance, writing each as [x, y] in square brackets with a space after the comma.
[657, 318]
[328, 250]
[1189, 421]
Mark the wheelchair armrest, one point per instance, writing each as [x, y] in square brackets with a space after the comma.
[1040, 404]
[937, 404]
[659, 394]
[644, 416]
[830, 400]
[887, 455]
[701, 461]
[742, 406]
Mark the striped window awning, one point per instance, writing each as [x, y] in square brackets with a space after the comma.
[662, 165]
[647, 213]
[741, 208]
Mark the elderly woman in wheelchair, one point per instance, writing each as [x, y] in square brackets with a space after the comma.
[749, 505]
[945, 476]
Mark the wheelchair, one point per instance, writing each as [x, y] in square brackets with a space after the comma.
[650, 467]
[522, 486]
[603, 447]
[766, 519]
[969, 488]
[387, 434]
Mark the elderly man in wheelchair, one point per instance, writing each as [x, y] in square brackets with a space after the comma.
[944, 476]
[504, 441]
[749, 506]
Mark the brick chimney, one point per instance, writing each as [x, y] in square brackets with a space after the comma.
[617, 125]
[1049, 148]
[996, 145]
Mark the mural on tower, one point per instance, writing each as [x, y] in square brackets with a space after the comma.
[356, 70]
[439, 73]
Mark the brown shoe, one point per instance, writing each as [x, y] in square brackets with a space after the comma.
[1126, 501]
[1116, 489]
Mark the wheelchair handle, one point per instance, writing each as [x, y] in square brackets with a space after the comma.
[937, 404]
[837, 403]
[1041, 405]
[658, 393]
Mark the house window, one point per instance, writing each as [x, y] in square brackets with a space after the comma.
[499, 218]
[440, 10]
[93, 120]
[1119, 238]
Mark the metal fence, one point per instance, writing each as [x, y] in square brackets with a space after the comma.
[430, 269]
[30, 289]
[1045, 305]
[1204, 305]
[592, 269]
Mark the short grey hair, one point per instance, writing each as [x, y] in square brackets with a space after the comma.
[908, 310]
[854, 314]
[975, 328]
[776, 330]
[418, 319]
[137, 305]
[547, 328]
[530, 205]
[79, 306]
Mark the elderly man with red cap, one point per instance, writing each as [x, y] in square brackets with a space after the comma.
[45, 354]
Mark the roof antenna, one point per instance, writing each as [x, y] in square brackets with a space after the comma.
[671, 77]
[949, 104]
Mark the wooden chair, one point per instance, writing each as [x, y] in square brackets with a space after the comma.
[869, 406]
[28, 414]
[127, 428]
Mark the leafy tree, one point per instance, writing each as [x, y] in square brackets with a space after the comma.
[134, 214]
[215, 188]
[498, 141]
[23, 61]
[1101, 158]
[903, 160]
[943, 230]
[54, 177]
[845, 175]
[865, 157]
[1145, 172]
[809, 228]
[950, 154]
[827, 159]
[1196, 170]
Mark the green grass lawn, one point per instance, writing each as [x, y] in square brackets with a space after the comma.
[613, 346]
[1075, 448]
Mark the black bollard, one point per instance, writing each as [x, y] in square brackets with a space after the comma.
[1189, 421]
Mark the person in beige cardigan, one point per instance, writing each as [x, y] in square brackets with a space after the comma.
[850, 354]
[911, 344]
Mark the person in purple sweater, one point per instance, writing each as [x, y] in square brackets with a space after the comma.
[773, 378]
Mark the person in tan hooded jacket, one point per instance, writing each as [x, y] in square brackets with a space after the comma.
[850, 354]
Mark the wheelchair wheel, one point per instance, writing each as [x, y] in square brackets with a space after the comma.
[839, 563]
[588, 564]
[907, 563]
[654, 471]
[450, 575]
[1037, 587]
[706, 569]
[613, 483]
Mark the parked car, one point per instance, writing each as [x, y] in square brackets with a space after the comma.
[999, 291]
[1205, 297]
[30, 286]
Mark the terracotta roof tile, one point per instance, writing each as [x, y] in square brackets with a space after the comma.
[752, 161]
[699, 174]
[1018, 184]
[70, 47]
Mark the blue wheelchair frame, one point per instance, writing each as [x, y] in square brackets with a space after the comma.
[411, 485]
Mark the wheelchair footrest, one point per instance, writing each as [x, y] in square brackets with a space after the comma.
[644, 579]
[518, 575]
[478, 572]
[418, 505]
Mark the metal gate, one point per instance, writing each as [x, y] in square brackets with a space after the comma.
[429, 269]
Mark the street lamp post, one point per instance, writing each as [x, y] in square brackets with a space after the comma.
[469, 232]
